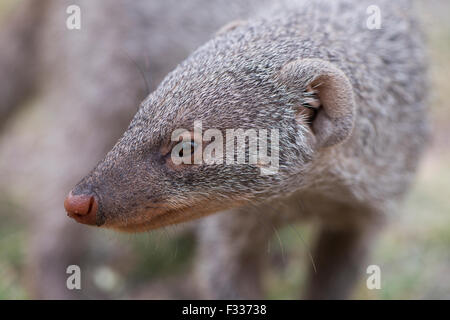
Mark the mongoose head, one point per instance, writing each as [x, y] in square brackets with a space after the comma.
[232, 82]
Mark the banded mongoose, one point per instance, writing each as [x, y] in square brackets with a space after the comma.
[349, 104]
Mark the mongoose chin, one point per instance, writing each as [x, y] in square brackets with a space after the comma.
[151, 220]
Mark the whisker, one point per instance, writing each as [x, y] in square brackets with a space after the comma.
[141, 71]
[297, 232]
[280, 243]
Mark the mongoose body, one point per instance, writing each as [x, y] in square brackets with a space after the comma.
[348, 103]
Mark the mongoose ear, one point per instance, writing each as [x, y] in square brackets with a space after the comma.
[328, 91]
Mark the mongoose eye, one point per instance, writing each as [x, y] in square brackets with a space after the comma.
[187, 149]
[184, 151]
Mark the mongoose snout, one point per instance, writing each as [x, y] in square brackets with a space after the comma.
[83, 208]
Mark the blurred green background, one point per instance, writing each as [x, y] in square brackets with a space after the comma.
[413, 252]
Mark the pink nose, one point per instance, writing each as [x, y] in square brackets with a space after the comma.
[83, 208]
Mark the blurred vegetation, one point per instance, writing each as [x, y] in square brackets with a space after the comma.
[413, 252]
[12, 246]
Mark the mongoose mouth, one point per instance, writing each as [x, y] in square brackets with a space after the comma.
[85, 208]
[151, 219]
[157, 221]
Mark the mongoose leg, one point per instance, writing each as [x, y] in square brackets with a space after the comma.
[231, 261]
[339, 258]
